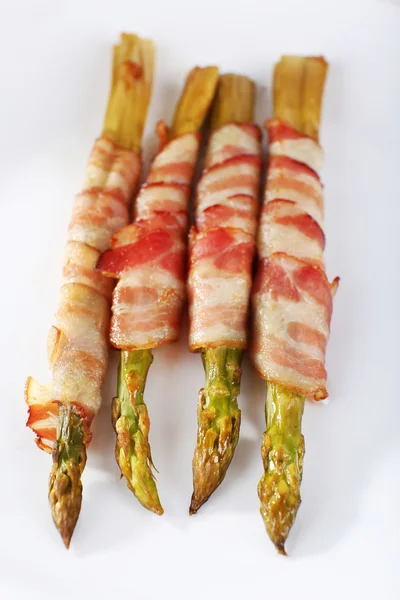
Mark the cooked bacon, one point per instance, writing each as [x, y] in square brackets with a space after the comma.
[176, 161]
[96, 217]
[148, 298]
[219, 286]
[290, 180]
[232, 140]
[292, 313]
[238, 175]
[148, 256]
[43, 414]
[222, 243]
[113, 169]
[162, 197]
[286, 141]
[144, 245]
[285, 227]
[79, 267]
[237, 212]
[77, 344]
[292, 298]
[147, 307]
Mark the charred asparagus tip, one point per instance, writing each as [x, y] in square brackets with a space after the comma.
[282, 454]
[65, 487]
[218, 422]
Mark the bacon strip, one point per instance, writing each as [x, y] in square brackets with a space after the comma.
[286, 141]
[222, 244]
[148, 257]
[292, 298]
[77, 344]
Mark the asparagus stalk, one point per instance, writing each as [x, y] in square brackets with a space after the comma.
[218, 413]
[218, 417]
[297, 93]
[131, 423]
[130, 415]
[282, 454]
[124, 122]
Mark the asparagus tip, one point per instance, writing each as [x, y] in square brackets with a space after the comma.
[217, 438]
[194, 505]
[282, 453]
[65, 496]
[69, 459]
[133, 456]
[131, 422]
[139, 477]
[281, 549]
[279, 489]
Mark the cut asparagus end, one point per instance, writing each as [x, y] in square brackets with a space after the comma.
[218, 422]
[234, 100]
[316, 69]
[282, 454]
[132, 424]
[132, 81]
[195, 101]
[298, 90]
[69, 459]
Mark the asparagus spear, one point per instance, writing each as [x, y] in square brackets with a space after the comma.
[131, 422]
[297, 93]
[124, 122]
[69, 459]
[218, 417]
[218, 413]
[130, 415]
[282, 453]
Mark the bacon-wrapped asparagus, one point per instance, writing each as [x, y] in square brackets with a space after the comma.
[61, 414]
[148, 257]
[221, 254]
[292, 298]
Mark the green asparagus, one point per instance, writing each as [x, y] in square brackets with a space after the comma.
[297, 93]
[130, 415]
[218, 414]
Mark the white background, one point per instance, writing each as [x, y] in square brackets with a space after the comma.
[55, 74]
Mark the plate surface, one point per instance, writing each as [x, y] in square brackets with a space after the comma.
[55, 67]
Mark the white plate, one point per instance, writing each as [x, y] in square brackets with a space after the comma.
[55, 74]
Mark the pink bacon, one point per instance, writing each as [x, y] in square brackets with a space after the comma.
[77, 344]
[292, 298]
[222, 243]
[148, 257]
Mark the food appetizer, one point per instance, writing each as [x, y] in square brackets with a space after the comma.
[61, 413]
[148, 258]
[292, 297]
[222, 247]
